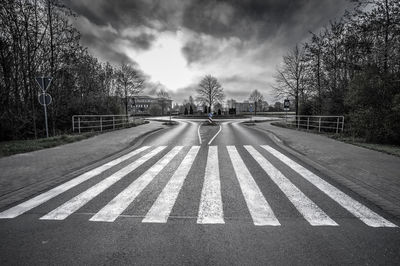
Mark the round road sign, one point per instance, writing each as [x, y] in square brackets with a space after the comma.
[44, 99]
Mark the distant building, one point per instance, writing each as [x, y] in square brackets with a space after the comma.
[242, 107]
[247, 106]
[147, 105]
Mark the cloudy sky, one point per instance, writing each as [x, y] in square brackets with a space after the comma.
[176, 42]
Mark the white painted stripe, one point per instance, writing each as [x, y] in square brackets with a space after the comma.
[162, 207]
[44, 197]
[356, 208]
[220, 128]
[198, 133]
[310, 211]
[116, 206]
[259, 208]
[210, 210]
[77, 202]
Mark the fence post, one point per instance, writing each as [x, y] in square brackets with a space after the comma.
[79, 124]
[319, 124]
[298, 122]
[308, 122]
[113, 122]
[337, 125]
[342, 123]
[101, 123]
[73, 124]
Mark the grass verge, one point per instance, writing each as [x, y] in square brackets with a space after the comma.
[170, 123]
[208, 124]
[8, 148]
[385, 148]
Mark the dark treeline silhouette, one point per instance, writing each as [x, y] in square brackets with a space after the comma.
[37, 38]
[351, 68]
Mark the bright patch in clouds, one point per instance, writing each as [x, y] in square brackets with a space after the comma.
[177, 42]
[164, 61]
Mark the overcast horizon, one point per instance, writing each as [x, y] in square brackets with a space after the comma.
[176, 43]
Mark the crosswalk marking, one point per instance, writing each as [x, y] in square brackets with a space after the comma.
[259, 208]
[210, 210]
[310, 211]
[211, 205]
[117, 205]
[356, 208]
[162, 207]
[76, 203]
[44, 197]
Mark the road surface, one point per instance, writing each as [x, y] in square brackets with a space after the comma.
[203, 195]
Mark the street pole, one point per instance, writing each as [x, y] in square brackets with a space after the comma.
[45, 110]
[45, 117]
[286, 116]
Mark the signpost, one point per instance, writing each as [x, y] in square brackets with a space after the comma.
[44, 98]
[251, 110]
[286, 107]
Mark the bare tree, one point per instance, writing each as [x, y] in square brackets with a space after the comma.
[256, 97]
[314, 53]
[163, 98]
[129, 81]
[290, 77]
[210, 91]
[191, 101]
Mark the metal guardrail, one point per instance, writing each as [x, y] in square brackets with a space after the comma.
[101, 122]
[325, 123]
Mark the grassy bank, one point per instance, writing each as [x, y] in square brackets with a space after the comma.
[20, 146]
[385, 148]
[8, 148]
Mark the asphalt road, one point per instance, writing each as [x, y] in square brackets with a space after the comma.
[203, 195]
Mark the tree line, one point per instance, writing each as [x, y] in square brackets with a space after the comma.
[350, 68]
[37, 38]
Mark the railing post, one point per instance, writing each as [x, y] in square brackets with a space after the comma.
[308, 122]
[101, 123]
[319, 124]
[113, 122]
[337, 125]
[79, 124]
[342, 123]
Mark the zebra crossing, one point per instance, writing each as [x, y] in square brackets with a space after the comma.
[211, 205]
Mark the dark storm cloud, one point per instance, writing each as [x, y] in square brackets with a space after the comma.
[238, 41]
[143, 41]
[260, 18]
[100, 45]
[284, 21]
[122, 13]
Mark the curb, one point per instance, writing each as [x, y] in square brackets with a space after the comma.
[21, 194]
[366, 194]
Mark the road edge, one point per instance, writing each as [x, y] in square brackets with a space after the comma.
[366, 194]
